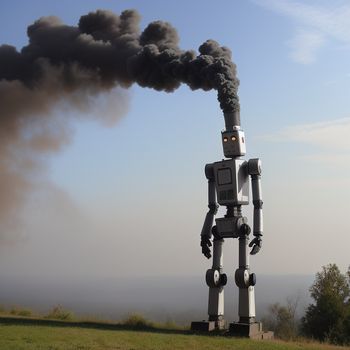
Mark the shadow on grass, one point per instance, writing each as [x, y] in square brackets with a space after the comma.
[8, 320]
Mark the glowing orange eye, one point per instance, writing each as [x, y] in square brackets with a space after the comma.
[233, 138]
[225, 139]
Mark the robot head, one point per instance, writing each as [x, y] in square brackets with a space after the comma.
[233, 142]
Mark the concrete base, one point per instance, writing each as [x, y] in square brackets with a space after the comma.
[249, 330]
[208, 326]
[268, 335]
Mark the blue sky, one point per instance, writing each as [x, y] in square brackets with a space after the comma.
[137, 189]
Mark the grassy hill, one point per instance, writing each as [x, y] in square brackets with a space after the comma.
[18, 333]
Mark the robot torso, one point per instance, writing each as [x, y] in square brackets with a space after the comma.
[231, 182]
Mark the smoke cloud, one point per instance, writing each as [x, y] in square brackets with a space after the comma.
[66, 65]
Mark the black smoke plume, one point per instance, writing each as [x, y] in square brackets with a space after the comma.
[68, 63]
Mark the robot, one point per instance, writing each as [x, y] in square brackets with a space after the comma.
[228, 185]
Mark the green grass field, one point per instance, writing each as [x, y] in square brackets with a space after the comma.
[16, 335]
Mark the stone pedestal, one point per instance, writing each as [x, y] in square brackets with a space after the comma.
[208, 326]
[249, 330]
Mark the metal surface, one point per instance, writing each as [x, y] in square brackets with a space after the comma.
[216, 289]
[232, 118]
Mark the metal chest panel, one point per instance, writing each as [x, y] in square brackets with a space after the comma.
[231, 180]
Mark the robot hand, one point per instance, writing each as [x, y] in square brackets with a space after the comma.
[205, 244]
[256, 243]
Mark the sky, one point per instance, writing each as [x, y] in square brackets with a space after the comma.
[128, 199]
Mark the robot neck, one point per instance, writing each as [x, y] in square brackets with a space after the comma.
[233, 211]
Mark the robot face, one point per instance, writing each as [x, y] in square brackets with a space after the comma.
[233, 143]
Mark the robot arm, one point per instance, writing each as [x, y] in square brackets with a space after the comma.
[213, 207]
[254, 169]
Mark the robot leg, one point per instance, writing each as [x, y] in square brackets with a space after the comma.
[245, 281]
[216, 280]
[247, 325]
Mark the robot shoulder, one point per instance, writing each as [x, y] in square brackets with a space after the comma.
[209, 171]
[254, 166]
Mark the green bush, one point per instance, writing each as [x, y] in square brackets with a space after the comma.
[170, 324]
[137, 321]
[58, 313]
[17, 311]
[13, 310]
[25, 312]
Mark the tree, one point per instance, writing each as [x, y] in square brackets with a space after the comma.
[282, 319]
[329, 317]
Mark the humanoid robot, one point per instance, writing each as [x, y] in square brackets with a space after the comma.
[228, 185]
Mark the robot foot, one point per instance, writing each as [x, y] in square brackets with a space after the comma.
[209, 326]
[249, 330]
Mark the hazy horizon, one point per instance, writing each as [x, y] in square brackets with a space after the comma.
[179, 299]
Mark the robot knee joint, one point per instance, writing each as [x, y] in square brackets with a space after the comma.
[215, 279]
[243, 279]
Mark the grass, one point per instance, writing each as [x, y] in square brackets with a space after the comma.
[61, 335]
[23, 329]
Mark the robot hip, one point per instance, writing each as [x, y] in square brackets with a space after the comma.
[228, 227]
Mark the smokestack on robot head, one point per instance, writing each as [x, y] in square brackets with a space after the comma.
[105, 50]
[232, 120]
